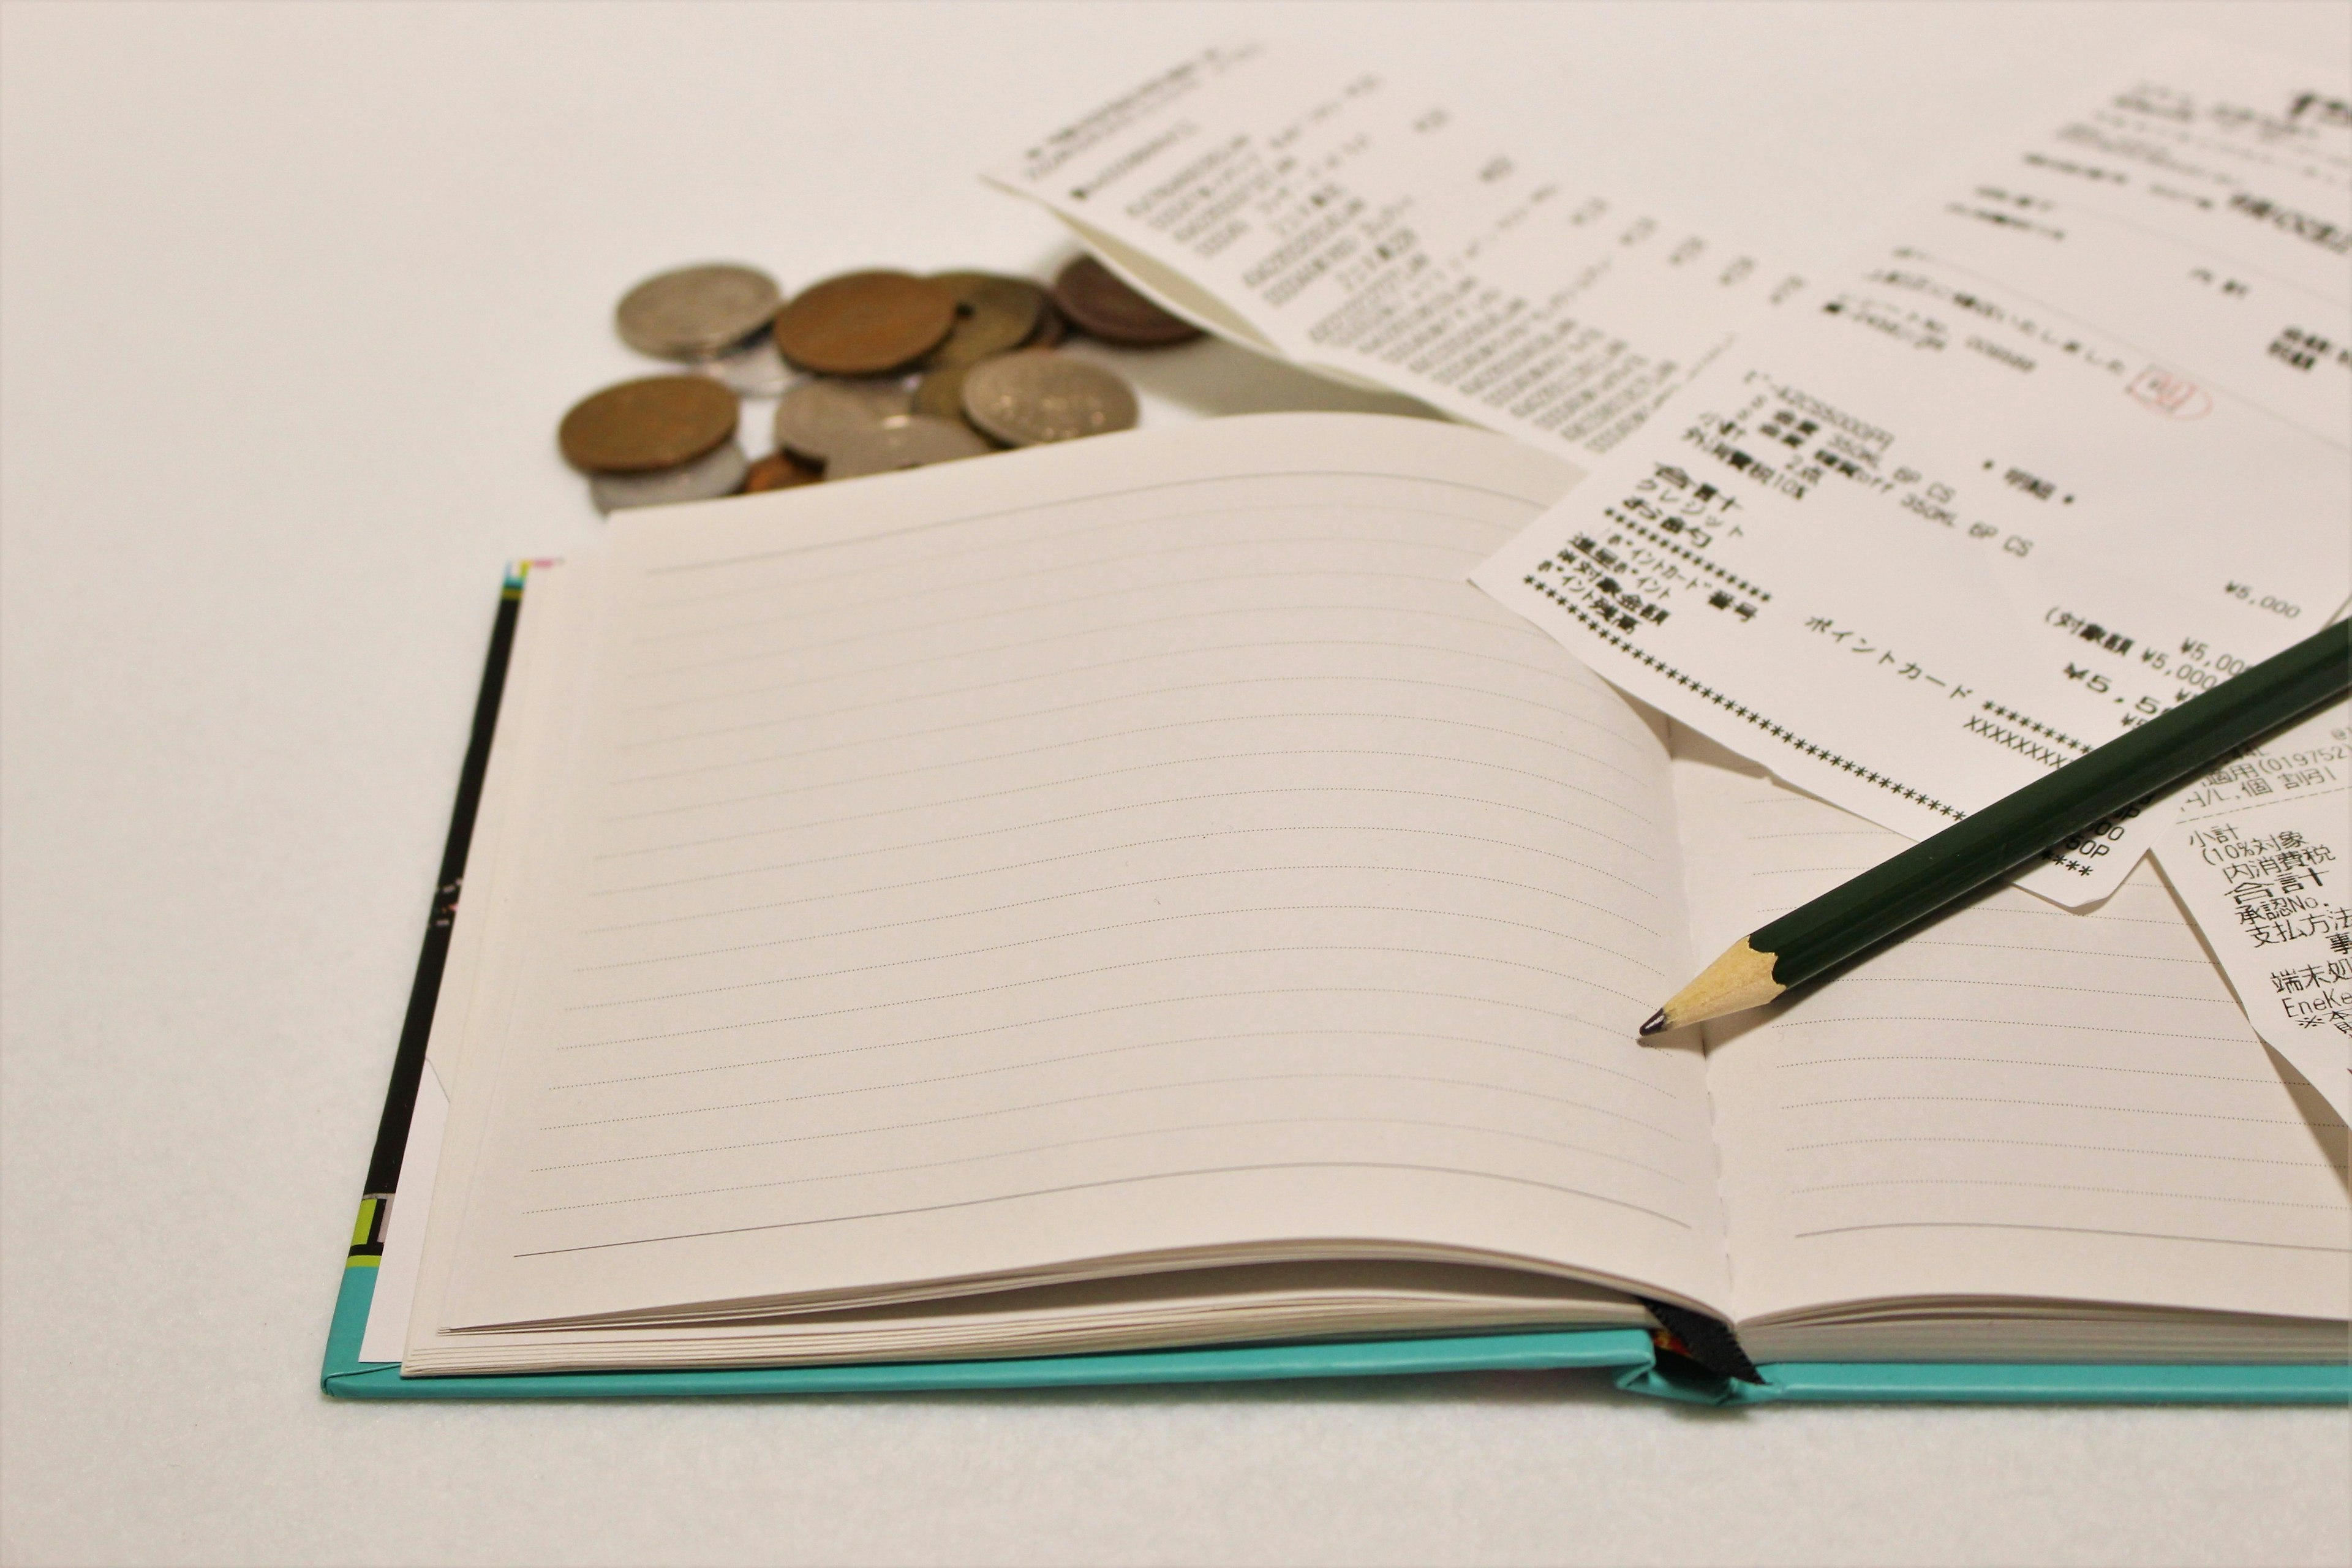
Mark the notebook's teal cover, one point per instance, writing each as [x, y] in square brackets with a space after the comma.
[1627, 1352]
[348, 1377]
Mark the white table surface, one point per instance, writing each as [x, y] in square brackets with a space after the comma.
[293, 297]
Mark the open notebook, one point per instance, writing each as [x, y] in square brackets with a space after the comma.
[1137, 895]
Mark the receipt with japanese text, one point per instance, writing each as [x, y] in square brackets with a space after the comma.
[2075, 445]
[2259, 850]
[1378, 230]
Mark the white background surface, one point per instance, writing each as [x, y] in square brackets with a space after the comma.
[290, 300]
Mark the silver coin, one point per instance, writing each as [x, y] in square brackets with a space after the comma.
[906, 441]
[755, 370]
[818, 413]
[1038, 396]
[695, 312]
[718, 473]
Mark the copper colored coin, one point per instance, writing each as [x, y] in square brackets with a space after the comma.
[1052, 328]
[779, 471]
[995, 315]
[658, 422]
[864, 323]
[1088, 293]
[1037, 395]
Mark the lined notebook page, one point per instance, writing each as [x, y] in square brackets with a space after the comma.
[2017, 1101]
[1153, 846]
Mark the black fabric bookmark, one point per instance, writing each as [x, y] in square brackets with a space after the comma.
[1709, 1343]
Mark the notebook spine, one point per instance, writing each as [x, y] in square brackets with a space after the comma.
[417, 1025]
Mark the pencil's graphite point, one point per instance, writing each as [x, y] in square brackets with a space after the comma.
[1655, 1024]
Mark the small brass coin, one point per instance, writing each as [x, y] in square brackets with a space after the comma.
[718, 472]
[864, 323]
[1099, 302]
[814, 416]
[995, 315]
[940, 394]
[658, 422]
[695, 312]
[1037, 395]
[779, 471]
[908, 441]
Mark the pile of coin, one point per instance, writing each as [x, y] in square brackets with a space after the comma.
[872, 372]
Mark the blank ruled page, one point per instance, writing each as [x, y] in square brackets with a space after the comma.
[1153, 847]
[2014, 1101]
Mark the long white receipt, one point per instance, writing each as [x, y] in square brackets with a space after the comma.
[1373, 228]
[2258, 851]
[2069, 450]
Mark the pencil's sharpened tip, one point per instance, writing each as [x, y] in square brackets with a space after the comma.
[1741, 979]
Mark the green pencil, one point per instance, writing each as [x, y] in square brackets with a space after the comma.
[1888, 898]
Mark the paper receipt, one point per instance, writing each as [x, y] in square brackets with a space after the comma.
[2066, 451]
[2259, 851]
